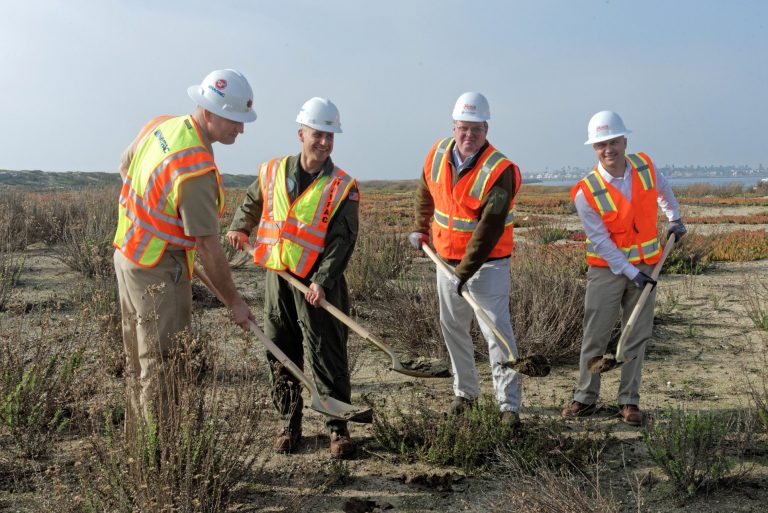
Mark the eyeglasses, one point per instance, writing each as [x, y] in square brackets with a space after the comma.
[474, 130]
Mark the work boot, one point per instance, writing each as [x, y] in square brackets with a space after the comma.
[288, 440]
[460, 404]
[632, 414]
[577, 409]
[341, 445]
[510, 419]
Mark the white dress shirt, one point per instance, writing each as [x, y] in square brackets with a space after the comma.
[599, 235]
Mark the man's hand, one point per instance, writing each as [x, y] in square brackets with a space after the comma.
[237, 239]
[241, 314]
[642, 279]
[315, 294]
[678, 228]
[417, 239]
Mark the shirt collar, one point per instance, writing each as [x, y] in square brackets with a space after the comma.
[608, 177]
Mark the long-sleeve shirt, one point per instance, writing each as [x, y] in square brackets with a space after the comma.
[342, 230]
[599, 235]
[494, 209]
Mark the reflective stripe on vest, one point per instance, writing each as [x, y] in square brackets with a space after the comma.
[169, 151]
[465, 225]
[292, 235]
[441, 153]
[599, 191]
[481, 181]
[641, 163]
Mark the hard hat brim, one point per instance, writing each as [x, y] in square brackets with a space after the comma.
[239, 117]
[607, 137]
[322, 128]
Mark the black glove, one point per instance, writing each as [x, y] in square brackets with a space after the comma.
[642, 279]
[456, 282]
[677, 227]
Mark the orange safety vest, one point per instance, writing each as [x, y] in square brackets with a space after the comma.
[292, 235]
[457, 207]
[632, 225]
[170, 150]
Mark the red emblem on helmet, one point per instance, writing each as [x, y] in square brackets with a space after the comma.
[221, 84]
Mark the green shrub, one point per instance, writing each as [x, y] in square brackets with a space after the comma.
[476, 439]
[378, 259]
[187, 457]
[690, 448]
[42, 380]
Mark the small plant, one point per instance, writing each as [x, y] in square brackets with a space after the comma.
[756, 293]
[690, 448]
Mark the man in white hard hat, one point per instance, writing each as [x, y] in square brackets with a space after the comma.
[467, 191]
[170, 204]
[618, 205]
[304, 211]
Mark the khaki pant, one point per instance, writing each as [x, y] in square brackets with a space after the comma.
[606, 295]
[156, 304]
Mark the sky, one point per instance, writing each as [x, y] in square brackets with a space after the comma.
[689, 77]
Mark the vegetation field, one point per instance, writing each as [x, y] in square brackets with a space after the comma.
[703, 448]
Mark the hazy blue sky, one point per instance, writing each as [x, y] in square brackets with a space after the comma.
[689, 77]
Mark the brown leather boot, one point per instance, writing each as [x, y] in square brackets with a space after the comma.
[287, 441]
[632, 414]
[460, 404]
[341, 445]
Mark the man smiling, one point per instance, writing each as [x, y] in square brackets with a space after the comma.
[618, 204]
[305, 211]
[467, 190]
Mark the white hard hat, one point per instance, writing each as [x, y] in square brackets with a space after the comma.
[471, 107]
[227, 93]
[605, 125]
[320, 114]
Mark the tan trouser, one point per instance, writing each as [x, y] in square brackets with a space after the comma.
[606, 294]
[156, 304]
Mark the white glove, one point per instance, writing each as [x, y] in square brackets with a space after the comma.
[417, 239]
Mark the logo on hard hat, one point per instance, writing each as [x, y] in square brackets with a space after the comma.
[249, 104]
[221, 84]
[469, 106]
[602, 129]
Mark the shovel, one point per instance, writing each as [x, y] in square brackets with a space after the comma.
[419, 368]
[607, 362]
[535, 365]
[320, 403]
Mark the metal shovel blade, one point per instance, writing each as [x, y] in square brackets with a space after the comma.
[341, 410]
[421, 367]
[600, 364]
[536, 366]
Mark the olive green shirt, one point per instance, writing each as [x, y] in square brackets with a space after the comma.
[492, 217]
[342, 230]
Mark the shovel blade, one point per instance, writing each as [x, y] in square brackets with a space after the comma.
[600, 364]
[422, 368]
[341, 410]
[535, 366]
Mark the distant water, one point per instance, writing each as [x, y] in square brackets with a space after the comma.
[682, 181]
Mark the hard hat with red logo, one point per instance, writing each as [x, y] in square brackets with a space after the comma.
[320, 114]
[471, 107]
[604, 126]
[227, 93]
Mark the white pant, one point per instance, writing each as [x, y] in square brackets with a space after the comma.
[490, 287]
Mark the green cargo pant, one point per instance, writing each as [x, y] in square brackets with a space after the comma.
[289, 321]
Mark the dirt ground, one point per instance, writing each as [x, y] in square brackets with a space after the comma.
[703, 355]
